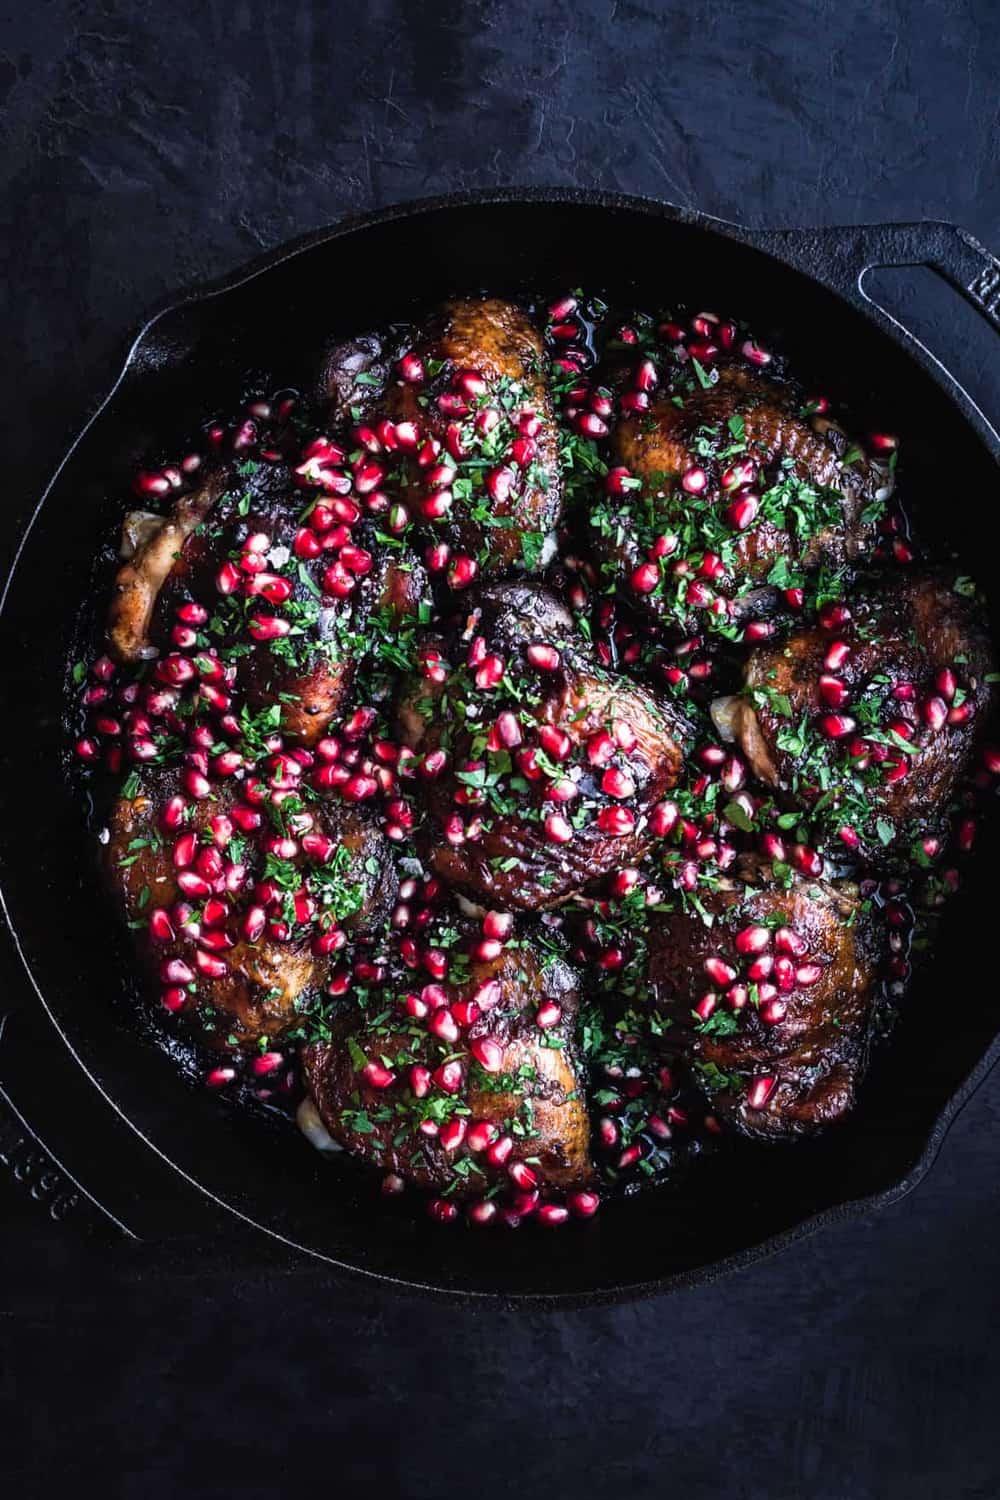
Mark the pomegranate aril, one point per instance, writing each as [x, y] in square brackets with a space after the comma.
[646, 578]
[449, 1077]
[209, 965]
[544, 658]
[583, 1205]
[837, 653]
[488, 1053]
[452, 1134]
[743, 512]
[706, 1005]
[254, 923]
[268, 627]
[522, 1176]
[160, 927]
[663, 819]
[832, 691]
[498, 924]
[784, 973]
[807, 860]
[411, 368]
[480, 1136]
[548, 1014]
[617, 783]
[719, 971]
[617, 821]
[753, 939]
[217, 1078]
[377, 1076]
[808, 974]
[760, 1091]
[420, 1080]
[462, 572]
[935, 713]
[499, 1152]
[787, 941]
[754, 353]
[443, 1025]
[557, 829]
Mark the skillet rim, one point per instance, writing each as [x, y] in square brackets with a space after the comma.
[797, 249]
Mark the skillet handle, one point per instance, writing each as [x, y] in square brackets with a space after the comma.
[843, 256]
[68, 1151]
[34, 1168]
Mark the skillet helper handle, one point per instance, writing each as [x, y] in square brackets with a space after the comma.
[27, 1162]
[843, 256]
[66, 1149]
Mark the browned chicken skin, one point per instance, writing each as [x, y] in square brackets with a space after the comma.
[595, 727]
[533, 1094]
[779, 1047]
[494, 340]
[151, 546]
[909, 664]
[264, 980]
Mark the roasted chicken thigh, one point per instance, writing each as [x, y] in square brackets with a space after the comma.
[466, 1083]
[729, 489]
[870, 718]
[539, 771]
[772, 1005]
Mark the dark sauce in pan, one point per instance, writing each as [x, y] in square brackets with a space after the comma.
[663, 599]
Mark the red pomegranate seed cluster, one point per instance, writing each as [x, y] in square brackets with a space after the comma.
[249, 824]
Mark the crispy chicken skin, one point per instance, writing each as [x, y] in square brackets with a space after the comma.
[910, 663]
[151, 546]
[495, 340]
[748, 418]
[790, 1062]
[264, 980]
[585, 725]
[534, 1094]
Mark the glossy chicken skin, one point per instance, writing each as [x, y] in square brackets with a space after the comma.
[151, 545]
[503, 530]
[264, 980]
[790, 1063]
[812, 506]
[533, 1094]
[911, 663]
[490, 831]
[307, 673]
[352, 375]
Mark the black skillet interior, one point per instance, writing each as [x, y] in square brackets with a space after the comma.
[188, 361]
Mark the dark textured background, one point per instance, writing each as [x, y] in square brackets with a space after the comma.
[149, 146]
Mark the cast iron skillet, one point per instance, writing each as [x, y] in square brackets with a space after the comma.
[165, 1161]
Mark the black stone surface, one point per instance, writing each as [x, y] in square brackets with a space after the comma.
[148, 147]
